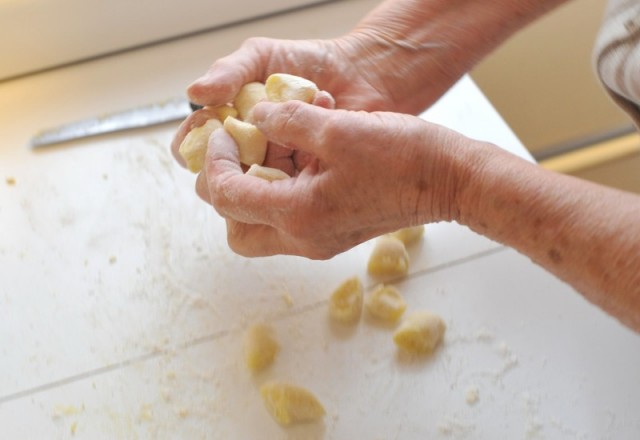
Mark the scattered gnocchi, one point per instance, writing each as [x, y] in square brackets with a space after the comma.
[389, 258]
[420, 332]
[410, 235]
[345, 303]
[290, 404]
[260, 347]
[386, 303]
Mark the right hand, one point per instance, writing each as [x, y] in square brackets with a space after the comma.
[369, 173]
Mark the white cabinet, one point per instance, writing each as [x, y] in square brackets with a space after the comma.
[38, 34]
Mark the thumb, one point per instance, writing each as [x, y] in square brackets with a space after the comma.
[224, 79]
[294, 124]
[216, 87]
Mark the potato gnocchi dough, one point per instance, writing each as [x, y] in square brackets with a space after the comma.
[420, 332]
[389, 258]
[194, 146]
[266, 173]
[345, 303]
[291, 404]
[260, 347]
[236, 119]
[410, 235]
[386, 303]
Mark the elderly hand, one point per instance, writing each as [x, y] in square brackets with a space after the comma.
[363, 70]
[367, 173]
[334, 65]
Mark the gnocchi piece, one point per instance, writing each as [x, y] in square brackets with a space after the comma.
[260, 347]
[281, 87]
[420, 332]
[345, 303]
[386, 303]
[409, 235]
[252, 144]
[249, 95]
[194, 146]
[389, 258]
[266, 173]
[224, 111]
[290, 404]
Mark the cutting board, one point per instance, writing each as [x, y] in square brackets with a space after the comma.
[123, 310]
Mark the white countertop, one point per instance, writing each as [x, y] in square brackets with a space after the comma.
[122, 310]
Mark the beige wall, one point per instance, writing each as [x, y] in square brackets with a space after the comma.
[623, 174]
[543, 84]
[542, 81]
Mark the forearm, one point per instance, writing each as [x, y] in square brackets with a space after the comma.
[586, 234]
[415, 43]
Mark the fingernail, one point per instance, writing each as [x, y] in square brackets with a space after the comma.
[197, 82]
[200, 82]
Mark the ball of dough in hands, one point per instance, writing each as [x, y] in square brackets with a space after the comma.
[249, 95]
[224, 111]
[281, 87]
[266, 173]
[194, 146]
[252, 144]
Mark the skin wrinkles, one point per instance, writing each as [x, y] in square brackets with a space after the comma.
[360, 171]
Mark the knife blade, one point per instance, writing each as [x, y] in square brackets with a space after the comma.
[144, 116]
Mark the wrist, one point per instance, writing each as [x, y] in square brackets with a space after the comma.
[450, 170]
[490, 177]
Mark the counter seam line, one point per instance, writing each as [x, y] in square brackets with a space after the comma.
[212, 337]
[108, 368]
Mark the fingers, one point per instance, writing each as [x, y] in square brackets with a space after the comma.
[202, 187]
[246, 199]
[324, 99]
[195, 119]
[287, 159]
[254, 240]
[228, 74]
[294, 124]
[262, 241]
[280, 157]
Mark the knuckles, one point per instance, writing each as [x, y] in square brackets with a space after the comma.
[219, 190]
[257, 44]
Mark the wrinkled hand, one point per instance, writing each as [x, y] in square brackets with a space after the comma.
[334, 65]
[357, 70]
[367, 174]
